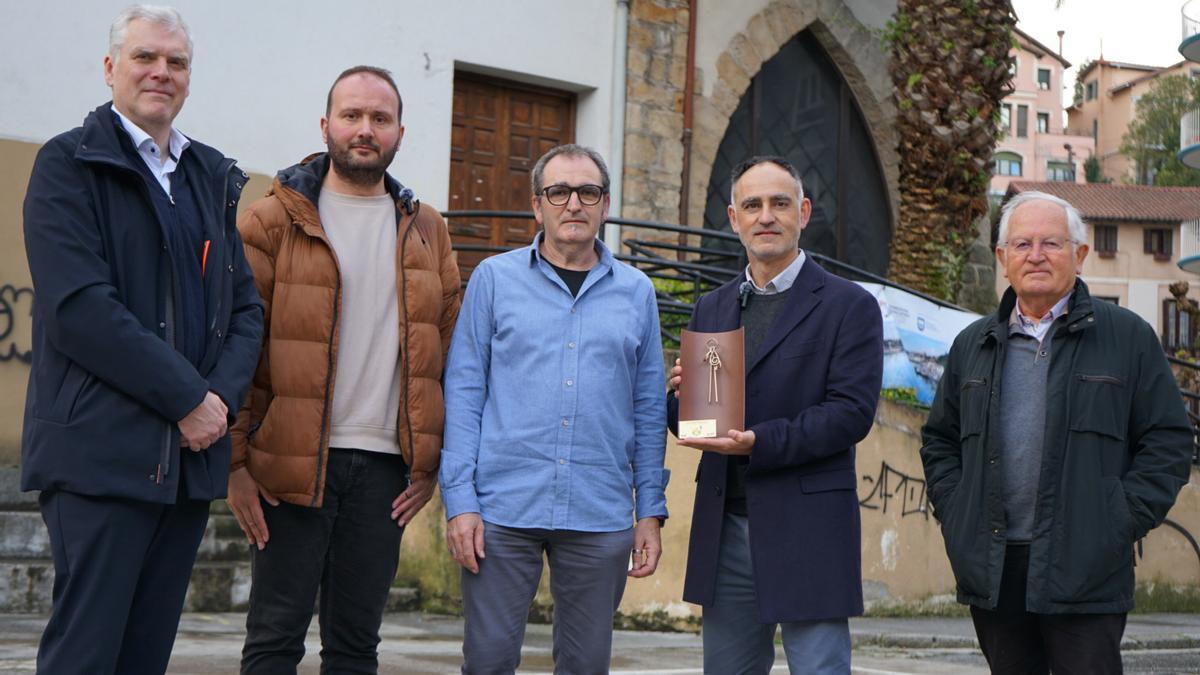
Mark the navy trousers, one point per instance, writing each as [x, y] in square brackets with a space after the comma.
[121, 571]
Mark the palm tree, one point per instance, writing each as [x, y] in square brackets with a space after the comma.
[950, 67]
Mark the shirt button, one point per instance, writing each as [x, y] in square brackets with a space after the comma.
[562, 461]
[1043, 352]
[570, 345]
[566, 422]
[162, 324]
[572, 310]
[570, 382]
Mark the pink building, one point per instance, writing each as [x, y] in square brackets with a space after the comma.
[1111, 91]
[1034, 145]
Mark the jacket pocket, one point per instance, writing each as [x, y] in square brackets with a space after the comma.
[68, 394]
[972, 407]
[968, 553]
[1099, 421]
[1092, 552]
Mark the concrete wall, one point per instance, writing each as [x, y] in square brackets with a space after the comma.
[903, 554]
[16, 297]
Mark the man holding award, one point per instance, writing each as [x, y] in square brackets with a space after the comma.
[775, 530]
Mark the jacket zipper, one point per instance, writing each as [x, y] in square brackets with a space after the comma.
[412, 450]
[337, 294]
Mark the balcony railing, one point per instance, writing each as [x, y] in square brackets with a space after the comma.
[1189, 46]
[1189, 138]
[1189, 246]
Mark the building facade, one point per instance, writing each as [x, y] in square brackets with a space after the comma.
[1034, 144]
[1107, 105]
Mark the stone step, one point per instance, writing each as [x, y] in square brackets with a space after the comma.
[11, 497]
[23, 535]
[216, 586]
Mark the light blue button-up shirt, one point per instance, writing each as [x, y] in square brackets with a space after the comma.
[555, 414]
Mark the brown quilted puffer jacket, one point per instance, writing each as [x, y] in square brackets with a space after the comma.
[282, 430]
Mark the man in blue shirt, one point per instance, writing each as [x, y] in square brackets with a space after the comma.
[555, 431]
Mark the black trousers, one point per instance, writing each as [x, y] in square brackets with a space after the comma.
[1017, 642]
[347, 550]
[121, 571]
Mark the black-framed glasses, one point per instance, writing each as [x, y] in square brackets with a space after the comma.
[559, 195]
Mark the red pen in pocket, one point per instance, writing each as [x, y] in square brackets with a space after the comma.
[204, 257]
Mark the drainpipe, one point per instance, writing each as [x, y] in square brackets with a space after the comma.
[689, 85]
[616, 151]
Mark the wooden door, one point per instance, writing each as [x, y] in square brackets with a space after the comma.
[499, 131]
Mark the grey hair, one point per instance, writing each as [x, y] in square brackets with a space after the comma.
[569, 150]
[747, 164]
[167, 17]
[1075, 225]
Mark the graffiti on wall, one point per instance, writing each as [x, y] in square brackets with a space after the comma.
[895, 489]
[16, 318]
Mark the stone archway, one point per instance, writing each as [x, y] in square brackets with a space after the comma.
[858, 55]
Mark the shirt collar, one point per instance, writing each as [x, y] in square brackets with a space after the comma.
[176, 143]
[605, 255]
[1037, 328]
[782, 281]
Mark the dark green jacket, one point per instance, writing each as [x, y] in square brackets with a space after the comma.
[1117, 451]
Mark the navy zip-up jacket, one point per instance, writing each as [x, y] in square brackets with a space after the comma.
[108, 386]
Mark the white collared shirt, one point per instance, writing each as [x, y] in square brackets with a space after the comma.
[1037, 329]
[151, 155]
[782, 281]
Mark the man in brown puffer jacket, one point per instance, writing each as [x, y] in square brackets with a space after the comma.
[342, 430]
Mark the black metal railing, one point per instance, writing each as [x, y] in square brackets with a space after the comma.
[1191, 400]
[679, 283]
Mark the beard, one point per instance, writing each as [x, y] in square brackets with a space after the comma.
[358, 170]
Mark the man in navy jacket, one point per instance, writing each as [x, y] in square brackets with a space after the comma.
[146, 328]
[775, 530]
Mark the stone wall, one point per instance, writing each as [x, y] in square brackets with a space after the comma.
[657, 64]
[657, 68]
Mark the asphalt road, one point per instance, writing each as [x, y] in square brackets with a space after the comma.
[416, 644]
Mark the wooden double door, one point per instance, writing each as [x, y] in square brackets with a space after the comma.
[499, 130]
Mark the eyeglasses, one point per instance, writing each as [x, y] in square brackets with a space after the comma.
[559, 195]
[1050, 245]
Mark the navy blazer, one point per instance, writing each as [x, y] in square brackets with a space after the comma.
[811, 393]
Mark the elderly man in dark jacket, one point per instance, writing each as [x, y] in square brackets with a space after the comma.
[146, 329]
[1057, 439]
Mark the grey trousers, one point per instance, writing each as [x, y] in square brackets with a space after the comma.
[587, 579]
[737, 643]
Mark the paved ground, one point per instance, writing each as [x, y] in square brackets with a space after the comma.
[416, 644]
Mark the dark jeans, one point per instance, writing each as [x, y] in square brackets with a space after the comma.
[348, 550]
[121, 570]
[1015, 641]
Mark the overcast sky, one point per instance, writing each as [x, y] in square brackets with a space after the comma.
[1135, 31]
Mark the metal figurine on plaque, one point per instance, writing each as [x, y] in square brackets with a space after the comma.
[712, 397]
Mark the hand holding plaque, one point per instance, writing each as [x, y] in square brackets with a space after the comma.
[712, 389]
